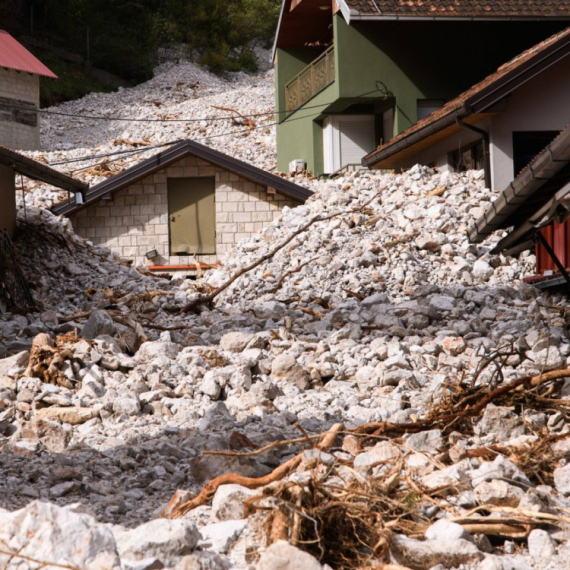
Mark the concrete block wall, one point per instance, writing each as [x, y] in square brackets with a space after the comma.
[135, 219]
[19, 86]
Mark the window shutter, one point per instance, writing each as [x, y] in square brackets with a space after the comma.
[356, 140]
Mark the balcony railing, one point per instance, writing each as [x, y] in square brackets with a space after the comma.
[313, 79]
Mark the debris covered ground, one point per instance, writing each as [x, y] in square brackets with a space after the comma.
[377, 392]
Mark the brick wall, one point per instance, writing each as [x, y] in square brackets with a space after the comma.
[19, 86]
[135, 219]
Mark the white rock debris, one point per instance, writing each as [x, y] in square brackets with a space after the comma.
[376, 314]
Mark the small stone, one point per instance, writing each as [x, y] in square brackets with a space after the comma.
[287, 368]
[453, 345]
[498, 492]
[419, 555]
[445, 530]
[127, 406]
[99, 323]
[540, 545]
[68, 415]
[228, 502]
[235, 341]
[382, 452]
[161, 538]
[562, 479]
[219, 537]
[430, 441]
[282, 556]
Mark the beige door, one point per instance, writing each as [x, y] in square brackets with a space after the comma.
[192, 215]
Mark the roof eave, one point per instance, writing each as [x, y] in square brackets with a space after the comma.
[173, 154]
[394, 17]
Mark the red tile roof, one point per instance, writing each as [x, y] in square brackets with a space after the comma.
[462, 8]
[478, 98]
[14, 55]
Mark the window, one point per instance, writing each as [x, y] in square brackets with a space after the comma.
[470, 157]
[192, 215]
[527, 144]
[426, 107]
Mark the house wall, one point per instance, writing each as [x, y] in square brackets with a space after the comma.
[135, 219]
[19, 129]
[541, 104]
[413, 60]
[7, 200]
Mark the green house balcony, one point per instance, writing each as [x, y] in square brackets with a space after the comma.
[318, 75]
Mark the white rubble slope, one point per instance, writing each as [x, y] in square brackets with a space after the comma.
[381, 317]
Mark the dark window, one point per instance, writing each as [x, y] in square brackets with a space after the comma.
[470, 157]
[527, 144]
[426, 107]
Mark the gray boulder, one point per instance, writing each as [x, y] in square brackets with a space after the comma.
[99, 323]
[164, 539]
[48, 533]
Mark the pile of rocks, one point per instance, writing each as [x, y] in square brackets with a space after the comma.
[196, 104]
[382, 312]
[370, 315]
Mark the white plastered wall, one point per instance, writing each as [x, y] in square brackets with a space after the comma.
[541, 104]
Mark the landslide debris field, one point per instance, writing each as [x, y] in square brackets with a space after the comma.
[376, 393]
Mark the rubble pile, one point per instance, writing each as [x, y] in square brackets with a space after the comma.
[125, 396]
[232, 114]
[373, 392]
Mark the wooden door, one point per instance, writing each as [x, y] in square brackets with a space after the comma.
[192, 215]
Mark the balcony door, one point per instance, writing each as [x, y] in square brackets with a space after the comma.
[346, 140]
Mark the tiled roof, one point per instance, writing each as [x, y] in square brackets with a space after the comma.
[462, 8]
[14, 55]
[506, 77]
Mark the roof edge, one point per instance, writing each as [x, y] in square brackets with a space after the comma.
[173, 154]
[480, 101]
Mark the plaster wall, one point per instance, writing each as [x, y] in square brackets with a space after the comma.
[7, 200]
[539, 105]
[135, 219]
[19, 86]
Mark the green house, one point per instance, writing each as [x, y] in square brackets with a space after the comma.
[351, 75]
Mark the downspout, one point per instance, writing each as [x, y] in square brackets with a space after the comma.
[486, 154]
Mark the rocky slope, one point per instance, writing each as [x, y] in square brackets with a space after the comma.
[447, 373]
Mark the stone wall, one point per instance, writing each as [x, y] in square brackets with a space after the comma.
[135, 219]
[19, 129]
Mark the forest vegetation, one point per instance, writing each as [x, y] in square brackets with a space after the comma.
[123, 36]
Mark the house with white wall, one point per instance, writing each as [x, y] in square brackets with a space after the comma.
[20, 73]
[499, 124]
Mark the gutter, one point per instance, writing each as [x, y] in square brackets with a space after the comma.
[372, 17]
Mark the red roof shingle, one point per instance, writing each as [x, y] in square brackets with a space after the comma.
[462, 8]
[13, 55]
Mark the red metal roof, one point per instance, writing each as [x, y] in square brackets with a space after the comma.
[14, 55]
